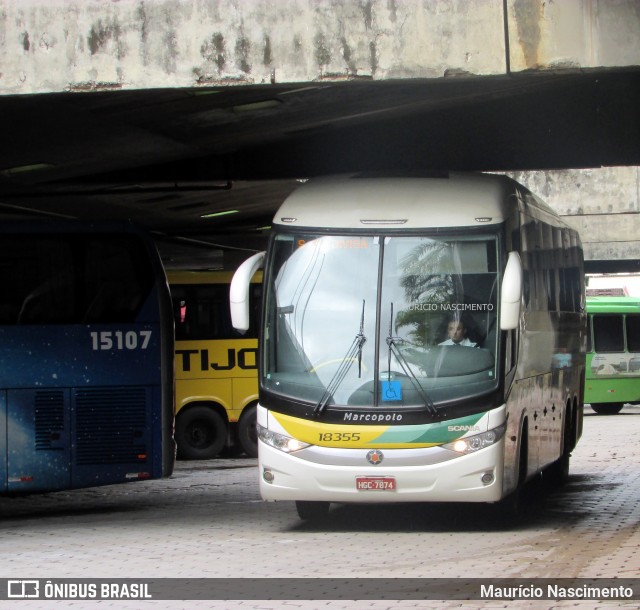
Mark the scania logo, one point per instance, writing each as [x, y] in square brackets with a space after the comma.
[375, 457]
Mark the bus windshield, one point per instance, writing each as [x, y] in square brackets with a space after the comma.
[380, 320]
[73, 279]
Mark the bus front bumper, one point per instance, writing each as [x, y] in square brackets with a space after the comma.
[400, 475]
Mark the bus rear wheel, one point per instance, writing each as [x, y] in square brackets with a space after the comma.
[607, 408]
[247, 432]
[201, 433]
[557, 473]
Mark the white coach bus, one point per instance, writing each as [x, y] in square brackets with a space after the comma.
[423, 339]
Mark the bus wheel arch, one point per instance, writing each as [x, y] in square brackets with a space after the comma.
[201, 431]
[247, 431]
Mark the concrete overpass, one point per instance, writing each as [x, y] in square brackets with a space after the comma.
[161, 111]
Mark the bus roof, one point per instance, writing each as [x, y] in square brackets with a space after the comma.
[361, 201]
[609, 304]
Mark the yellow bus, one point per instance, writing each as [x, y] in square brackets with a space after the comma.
[215, 366]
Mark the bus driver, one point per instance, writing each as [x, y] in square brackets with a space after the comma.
[457, 333]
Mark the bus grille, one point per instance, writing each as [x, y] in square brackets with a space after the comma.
[49, 419]
[111, 426]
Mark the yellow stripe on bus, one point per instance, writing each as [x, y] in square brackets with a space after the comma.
[349, 436]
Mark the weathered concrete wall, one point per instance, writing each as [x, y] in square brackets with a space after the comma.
[53, 45]
[59, 45]
[602, 204]
[573, 33]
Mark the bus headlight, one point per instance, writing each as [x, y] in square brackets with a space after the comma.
[470, 444]
[280, 441]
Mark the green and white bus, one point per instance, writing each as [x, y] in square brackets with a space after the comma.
[362, 398]
[613, 353]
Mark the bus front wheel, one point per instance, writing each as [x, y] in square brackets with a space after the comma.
[201, 433]
[247, 432]
[607, 408]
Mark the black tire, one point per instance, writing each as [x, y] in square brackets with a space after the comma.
[201, 433]
[513, 506]
[247, 432]
[510, 508]
[312, 511]
[557, 473]
[607, 408]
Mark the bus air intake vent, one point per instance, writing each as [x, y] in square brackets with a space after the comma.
[111, 426]
[49, 416]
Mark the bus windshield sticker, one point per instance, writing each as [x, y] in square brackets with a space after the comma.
[391, 391]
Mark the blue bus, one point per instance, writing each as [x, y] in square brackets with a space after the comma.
[86, 357]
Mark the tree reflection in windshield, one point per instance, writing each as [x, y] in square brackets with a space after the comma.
[423, 286]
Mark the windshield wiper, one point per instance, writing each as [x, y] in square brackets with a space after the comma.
[355, 349]
[392, 343]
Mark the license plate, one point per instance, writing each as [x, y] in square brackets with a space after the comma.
[375, 483]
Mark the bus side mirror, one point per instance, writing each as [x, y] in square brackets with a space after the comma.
[511, 293]
[239, 291]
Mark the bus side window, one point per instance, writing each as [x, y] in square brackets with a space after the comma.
[117, 279]
[51, 302]
[633, 333]
[255, 299]
[182, 299]
[608, 333]
[181, 318]
[201, 312]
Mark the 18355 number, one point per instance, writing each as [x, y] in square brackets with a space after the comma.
[339, 436]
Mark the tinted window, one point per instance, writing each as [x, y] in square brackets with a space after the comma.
[202, 312]
[608, 333]
[633, 333]
[71, 279]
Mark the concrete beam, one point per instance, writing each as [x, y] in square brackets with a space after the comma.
[62, 45]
